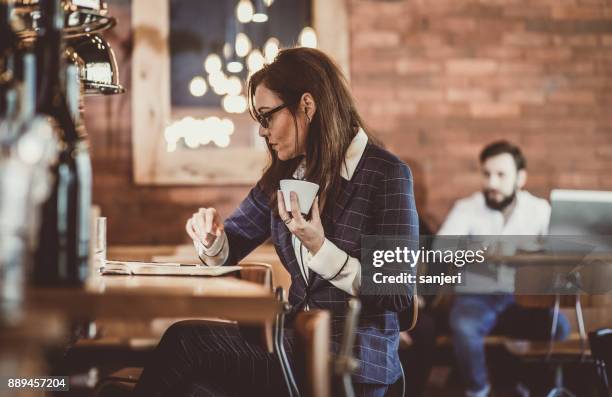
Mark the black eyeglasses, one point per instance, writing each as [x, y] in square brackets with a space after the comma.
[265, 117]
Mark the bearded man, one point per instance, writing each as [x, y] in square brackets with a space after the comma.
[502, 208]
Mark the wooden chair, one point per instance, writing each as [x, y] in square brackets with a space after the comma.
[312, 341]
[344, 363]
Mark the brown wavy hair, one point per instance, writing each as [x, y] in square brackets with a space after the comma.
[294, 72]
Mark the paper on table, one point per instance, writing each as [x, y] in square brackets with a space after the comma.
[165, 269]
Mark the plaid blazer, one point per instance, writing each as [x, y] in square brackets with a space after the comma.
[378, 200]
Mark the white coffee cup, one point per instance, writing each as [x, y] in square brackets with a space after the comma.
[306, 192]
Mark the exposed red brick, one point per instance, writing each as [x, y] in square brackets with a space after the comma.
[494, 110]
[573, 96]
[520, 67]
[442, 110]
[605, 151]
[581, 12]
[468, 95]
[375, 39]
[520, 11]
[412, 66]
[471, 66]
[525, 39]
[455, 24]
[572, 180]
[548, 54]
[421, 95]
[522, 96]
[501, 52]
[582, 40]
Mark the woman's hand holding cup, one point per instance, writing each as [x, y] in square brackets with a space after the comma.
[205, 226]
[310, 233]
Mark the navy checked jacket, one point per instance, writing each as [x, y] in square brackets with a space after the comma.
[378, 200]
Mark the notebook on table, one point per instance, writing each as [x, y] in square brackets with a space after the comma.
[164, 269]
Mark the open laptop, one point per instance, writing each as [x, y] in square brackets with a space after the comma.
[583, 218]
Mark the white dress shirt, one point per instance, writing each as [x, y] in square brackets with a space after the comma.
[470, 216]
[330, 259]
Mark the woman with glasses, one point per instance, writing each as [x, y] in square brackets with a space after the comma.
[313, 132]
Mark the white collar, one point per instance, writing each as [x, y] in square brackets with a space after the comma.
[351, 159]
[353, 154]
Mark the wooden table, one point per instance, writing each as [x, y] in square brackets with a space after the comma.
[185, 253]
[539, 272]
[50, 311]
[147, 297]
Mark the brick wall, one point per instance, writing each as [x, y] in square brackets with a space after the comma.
[435, 80]
[439, 79]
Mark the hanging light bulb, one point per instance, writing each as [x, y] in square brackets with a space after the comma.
[271, 49]
[234, 86]
[255, 61]
[227, 126]
[198, 86]
[308, 37]
[244, 11]
[260, 18]
[268, 3]
[221, 140]
[243, 45]
[261, 14]
[191, 134]
[234, 104]
[218, 82]
[234, 67]
[212, 63]
[227, 50]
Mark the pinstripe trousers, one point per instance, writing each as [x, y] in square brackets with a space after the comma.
[201, 358]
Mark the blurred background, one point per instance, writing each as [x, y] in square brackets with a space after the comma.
[435, 81]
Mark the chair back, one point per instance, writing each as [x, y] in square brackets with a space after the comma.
[601, 350]
[344, 363]
[258, 272]
[312, 341]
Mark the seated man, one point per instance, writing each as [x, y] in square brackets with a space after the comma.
[502, 208]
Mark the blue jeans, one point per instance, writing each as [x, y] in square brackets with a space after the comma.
[473, 317]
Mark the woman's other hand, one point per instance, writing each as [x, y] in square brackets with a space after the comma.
[205, 226]
[310, 233]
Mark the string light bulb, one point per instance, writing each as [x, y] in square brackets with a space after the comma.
[212, 63]
[198, 87]
[271, 49]
[255, 61]
[244, 11]
[308, 37]
[243, 45]
[261, 14]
